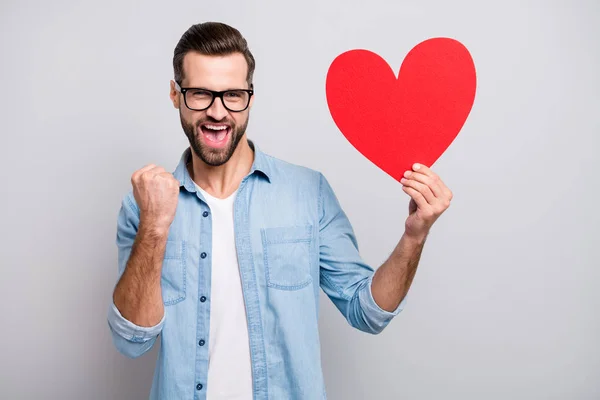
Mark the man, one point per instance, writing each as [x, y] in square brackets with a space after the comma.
[224, 258]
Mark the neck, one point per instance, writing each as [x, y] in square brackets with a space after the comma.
[223, 180]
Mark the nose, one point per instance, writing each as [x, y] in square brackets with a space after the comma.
[217, 110]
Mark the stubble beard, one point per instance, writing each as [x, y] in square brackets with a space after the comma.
[210, 156]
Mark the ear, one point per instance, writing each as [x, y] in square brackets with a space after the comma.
[252, 98]
[174, 95]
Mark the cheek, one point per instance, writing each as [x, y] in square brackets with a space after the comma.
[190, 117]
[240, 118]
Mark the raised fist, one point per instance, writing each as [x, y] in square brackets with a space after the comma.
[156, 192]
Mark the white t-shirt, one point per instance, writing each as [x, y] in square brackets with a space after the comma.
[229, 366]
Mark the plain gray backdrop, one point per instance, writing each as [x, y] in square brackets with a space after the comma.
[505, 302]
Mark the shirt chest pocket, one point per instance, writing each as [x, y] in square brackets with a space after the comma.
[287, 256]
[173, 276]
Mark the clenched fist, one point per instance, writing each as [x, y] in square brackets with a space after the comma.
[156, 192]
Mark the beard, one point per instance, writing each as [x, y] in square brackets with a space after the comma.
[211, 156]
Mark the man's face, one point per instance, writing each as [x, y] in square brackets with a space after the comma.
[214, 133]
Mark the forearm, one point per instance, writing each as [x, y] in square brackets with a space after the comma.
[392, 280]
[138, 294]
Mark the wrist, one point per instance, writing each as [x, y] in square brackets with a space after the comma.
[415, 239]
[153, 229]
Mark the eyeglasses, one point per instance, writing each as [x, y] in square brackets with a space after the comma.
[199, 99]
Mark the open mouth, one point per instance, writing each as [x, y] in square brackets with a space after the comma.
[215, 135]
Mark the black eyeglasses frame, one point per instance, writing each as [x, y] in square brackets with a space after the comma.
[215, 94]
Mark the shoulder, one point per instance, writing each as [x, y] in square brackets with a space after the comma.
[285, 172]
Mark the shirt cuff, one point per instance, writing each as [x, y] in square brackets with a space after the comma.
[372, 308]
[130, 331]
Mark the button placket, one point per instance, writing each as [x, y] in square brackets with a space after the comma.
[205, 240]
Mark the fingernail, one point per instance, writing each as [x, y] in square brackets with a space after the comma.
[417, 166]
[407, 174]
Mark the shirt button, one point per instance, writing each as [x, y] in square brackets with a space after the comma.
[199, 386]
[203, 299]
[203, 255]
[201, 342]
[205, 214]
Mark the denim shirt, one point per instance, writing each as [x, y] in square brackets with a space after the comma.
[292, 238]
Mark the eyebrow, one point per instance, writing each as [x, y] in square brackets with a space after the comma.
[205, 88]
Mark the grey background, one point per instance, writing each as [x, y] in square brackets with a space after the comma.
[505, 302]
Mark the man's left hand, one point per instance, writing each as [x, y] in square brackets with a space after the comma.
[429, 199]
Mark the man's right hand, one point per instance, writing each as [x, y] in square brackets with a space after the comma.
[156, 192]
[138, 293]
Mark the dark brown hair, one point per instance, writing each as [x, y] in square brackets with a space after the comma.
[211, 39]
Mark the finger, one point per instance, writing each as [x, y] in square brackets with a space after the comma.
[140, 171]
[419, 168]
[422, 188]
[424, 169]
[446, 192]
[152, 172]
[433, 184]
[147, 168]
[416, 196]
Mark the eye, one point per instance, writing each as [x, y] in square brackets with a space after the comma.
[197, 93]
[234, 94]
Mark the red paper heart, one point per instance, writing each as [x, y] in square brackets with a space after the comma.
[414, 118]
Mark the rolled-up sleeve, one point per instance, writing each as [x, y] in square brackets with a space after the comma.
[345, 277]
[130, 339]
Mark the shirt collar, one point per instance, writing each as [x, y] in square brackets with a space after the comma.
[260, 165]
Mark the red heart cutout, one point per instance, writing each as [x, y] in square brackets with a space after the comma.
[414, 118]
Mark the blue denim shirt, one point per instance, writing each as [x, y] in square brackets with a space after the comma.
[292, 238]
